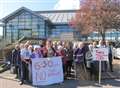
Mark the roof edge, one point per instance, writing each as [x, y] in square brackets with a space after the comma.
[22, 8]
[51, 11]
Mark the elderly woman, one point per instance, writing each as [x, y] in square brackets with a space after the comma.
[79, 62]
[36, 52]
[48, 50]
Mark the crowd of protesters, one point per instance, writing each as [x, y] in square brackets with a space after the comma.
[73, 57]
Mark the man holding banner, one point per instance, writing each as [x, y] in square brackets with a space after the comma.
[101, 54]
[104, 62]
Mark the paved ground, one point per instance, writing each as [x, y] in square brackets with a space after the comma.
[13, 83]
[8, 80]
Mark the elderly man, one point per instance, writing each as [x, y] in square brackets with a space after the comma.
[16, 61]
[109, 55]
[25, 57]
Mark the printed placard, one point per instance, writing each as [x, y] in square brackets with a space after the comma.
[46, 71]
[100, 54]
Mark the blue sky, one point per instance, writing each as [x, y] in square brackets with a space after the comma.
[9, 6]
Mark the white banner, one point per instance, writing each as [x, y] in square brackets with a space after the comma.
[46, 71]
[100, 54]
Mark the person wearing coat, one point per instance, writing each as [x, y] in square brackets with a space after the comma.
[109, 55]
[16, 60]
[79, 62]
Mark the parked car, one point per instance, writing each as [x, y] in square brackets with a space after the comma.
[116, 51]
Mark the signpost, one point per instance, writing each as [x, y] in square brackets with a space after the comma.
[100, 54]
[46, 71]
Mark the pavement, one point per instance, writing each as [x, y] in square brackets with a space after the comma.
[112, 80]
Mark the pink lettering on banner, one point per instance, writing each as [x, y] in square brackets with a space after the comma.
[40, 76]
[100, 55]
[39, 65]
[50, 63]
[44, 64]
[47, 71]
[51, 74]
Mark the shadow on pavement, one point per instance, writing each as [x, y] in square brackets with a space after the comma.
[113, 82]
[86, 84]
[77, 83]
[71, 84]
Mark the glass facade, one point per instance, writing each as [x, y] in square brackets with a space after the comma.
[60, 29]
[25, 24]
[113, 35]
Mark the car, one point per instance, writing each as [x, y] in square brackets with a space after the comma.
[116, 51]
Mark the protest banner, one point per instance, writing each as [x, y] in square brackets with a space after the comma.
[100, 54]
[46, 71]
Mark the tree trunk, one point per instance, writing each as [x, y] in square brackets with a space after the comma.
[102, 33]
[103, 36]
[85, 37]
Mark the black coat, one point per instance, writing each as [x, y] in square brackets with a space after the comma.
[16, 60]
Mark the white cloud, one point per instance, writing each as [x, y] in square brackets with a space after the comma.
[67, 4]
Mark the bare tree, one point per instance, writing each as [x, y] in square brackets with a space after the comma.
[97, 15]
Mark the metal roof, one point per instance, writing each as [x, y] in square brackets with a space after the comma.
[58, 16]
[55, 16]
[22, 9]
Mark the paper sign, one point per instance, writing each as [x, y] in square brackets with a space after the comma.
[46, 71]
[100, 54]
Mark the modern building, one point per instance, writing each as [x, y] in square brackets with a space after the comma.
[38, 24]
[43, 24]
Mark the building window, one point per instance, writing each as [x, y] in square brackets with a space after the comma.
[38, 26]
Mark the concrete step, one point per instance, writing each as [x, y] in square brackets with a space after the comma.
[8, 75]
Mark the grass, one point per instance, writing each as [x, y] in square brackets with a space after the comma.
[3, 67]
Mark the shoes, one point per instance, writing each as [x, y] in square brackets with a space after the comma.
[21, 83]
[68, 75]
[112, 71]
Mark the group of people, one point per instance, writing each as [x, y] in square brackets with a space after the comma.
[73, 56]
[23, 53]
[86, 67]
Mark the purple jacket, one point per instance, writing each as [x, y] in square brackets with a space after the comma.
[79, 55]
